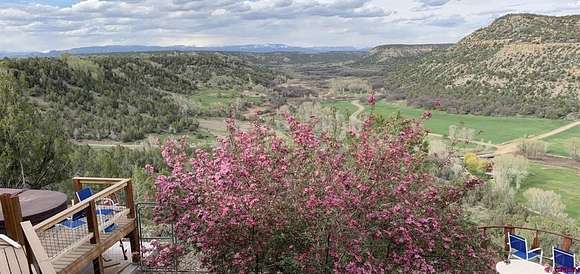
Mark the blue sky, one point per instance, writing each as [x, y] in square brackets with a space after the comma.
[33, 25]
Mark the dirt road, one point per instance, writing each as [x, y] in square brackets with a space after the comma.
[512, 146]
[354, 119]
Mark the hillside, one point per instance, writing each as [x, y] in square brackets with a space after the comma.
[280, 59]
[385, 54]
[126, 96]
[520, 64]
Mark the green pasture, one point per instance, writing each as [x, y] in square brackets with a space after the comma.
[563, 181]
[558, 144]
[494, 129]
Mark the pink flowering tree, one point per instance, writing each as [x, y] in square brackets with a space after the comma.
[313, 203]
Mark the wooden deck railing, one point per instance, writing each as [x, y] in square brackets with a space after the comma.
[71, 249]
[566, 240]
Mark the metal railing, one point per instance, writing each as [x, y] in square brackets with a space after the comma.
[565, 241]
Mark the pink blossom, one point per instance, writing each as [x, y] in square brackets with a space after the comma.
[315, 203]
[372, 100]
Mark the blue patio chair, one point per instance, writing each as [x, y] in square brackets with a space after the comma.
[519, 248]
[78, 219]
[564, 260]
[86, 193]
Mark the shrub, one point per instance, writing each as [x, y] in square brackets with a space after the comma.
[574, 148]
[475, 165]
[316, 203]
[460, 133]
[546, 203]
[533, 149]
[159, 255]
[510, 170]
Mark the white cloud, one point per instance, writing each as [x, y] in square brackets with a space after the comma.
[213, 22]
[433, 3]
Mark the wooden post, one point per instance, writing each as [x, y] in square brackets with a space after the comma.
[566, 243]
[12, 217]
[76, 184]
[129, 198]
[133, 235]
[536, 242]
[507, 229]
[484, 243]
[93, 226]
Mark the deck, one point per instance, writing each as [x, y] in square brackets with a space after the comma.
[57, 248]
[12, 259]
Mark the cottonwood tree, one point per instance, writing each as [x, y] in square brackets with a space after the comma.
[460, 133]
[346, 86]
[510, 170]
[533, 149]
[546, 203]
[574, 148]
[329, 119]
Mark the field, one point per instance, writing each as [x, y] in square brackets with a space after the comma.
[558, 143]
[215, 102]
[208, 97]
[494, 129]
[563, 181]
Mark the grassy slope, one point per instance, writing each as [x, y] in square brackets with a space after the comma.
[558, 143]
[563, 181]
[494, 129]
[209, 99]
[216, 96]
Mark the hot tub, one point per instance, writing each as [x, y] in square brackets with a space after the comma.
[36, 205]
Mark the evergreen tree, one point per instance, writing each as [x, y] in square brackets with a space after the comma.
[33, 147]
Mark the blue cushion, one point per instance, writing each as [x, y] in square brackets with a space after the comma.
[518, 243]
[534, 254]
[110, 228]
[73, 223]
[563, 258]
[520, 254]
[79, 215]
[105, 211]
[84, 194]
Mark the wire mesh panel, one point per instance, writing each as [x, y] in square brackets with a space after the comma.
[103, 213]
[64, 237]
[155, 236]
[110, 209]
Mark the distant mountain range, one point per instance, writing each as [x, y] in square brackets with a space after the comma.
[252, 48]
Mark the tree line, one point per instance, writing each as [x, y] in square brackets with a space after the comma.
[125, 97]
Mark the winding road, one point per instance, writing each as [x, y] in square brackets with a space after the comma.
[354, 119]
[217, 127]
[512, 146]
